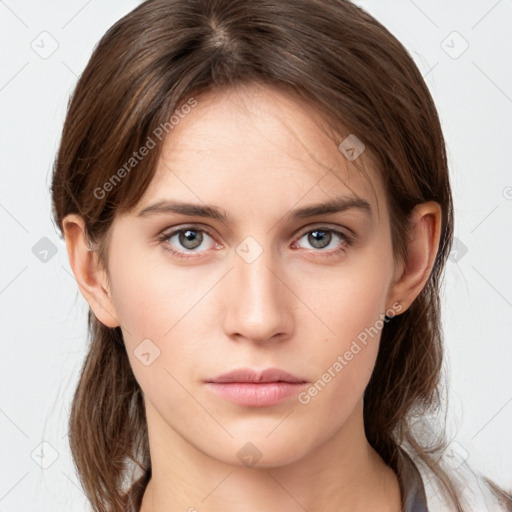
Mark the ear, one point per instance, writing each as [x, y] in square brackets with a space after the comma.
[412, 275]
[91, 278]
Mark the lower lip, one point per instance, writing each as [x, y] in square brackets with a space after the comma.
[263, 394]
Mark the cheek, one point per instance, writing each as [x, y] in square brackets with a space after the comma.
[352, 304]
[168, 319]
[150, 295]
[154, 305]
[351, 300]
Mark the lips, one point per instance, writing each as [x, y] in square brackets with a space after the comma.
[249, 375]
[251, 388]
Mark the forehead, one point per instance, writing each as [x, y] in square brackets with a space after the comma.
[257, 147]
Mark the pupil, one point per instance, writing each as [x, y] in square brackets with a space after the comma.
[188, 236]
[318, 243]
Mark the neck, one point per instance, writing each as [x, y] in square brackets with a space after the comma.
[342, 474]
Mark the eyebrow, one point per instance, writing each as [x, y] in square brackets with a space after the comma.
[335, 205]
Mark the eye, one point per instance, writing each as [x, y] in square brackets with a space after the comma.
[188, 238]
[321, 238]
[183, 242]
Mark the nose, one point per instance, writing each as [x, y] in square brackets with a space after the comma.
[259, 303]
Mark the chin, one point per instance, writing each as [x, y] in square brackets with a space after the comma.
[260, 451]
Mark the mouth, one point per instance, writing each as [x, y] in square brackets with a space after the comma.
[252, 388]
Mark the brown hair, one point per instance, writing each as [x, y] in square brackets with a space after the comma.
[327, 52]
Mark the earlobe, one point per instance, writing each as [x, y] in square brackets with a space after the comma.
[423, 244]
[91, 278]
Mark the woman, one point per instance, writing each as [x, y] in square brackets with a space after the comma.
[256, 205]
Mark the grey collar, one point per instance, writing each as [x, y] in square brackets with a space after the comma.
[411, 484]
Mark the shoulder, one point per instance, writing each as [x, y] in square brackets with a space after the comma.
[421, 490]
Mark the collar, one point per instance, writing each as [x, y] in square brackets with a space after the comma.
[411, 484]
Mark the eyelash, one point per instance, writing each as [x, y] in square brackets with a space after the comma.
[164, 237]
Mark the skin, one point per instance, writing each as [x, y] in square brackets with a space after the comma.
[257, 153]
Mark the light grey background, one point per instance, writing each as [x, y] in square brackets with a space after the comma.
[44, 317]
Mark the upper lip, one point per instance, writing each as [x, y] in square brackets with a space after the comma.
[256, 376]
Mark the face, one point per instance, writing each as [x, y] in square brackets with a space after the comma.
[264, 287]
